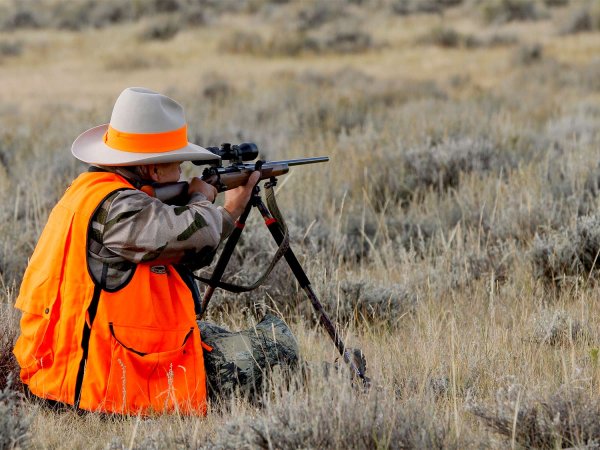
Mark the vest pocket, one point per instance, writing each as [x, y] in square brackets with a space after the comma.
[40, 296]
[141, 382]
[33, 349]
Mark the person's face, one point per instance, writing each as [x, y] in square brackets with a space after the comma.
[165, 172]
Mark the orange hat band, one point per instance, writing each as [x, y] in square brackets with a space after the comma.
[146, 142]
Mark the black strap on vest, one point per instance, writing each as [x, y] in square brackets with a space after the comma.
[99, 285]
[85, 342]
[188, 278]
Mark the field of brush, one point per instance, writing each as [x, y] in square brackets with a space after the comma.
[454, 236]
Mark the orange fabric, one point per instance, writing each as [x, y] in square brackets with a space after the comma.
[146, 142]
[207, 347]
[144, 348]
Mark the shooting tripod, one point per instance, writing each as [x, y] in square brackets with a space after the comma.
[276, 226]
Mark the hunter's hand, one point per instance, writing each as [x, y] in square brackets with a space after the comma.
[237, 199]
[197, 185]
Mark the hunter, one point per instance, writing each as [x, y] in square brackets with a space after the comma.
[108, 304]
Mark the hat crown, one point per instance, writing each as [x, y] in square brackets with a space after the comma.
[145, 128]
[140, 110]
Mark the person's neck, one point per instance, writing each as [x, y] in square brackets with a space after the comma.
[129, 175]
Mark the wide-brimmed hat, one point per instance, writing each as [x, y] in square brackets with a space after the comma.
[145, 128]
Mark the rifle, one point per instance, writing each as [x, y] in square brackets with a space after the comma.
[229, 177]
[237, 174]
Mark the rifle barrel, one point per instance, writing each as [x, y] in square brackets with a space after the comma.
[301, 161]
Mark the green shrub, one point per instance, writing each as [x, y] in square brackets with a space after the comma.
[337, 38]
[584, 18]
[19, 16]
[125, 62]
[405, 7]
[501, 11]
[160, 29]
[555, 3]
[527, 54]
[242, 42]
[449, 38]
[315, 14]
[10, 48]
[438, 166]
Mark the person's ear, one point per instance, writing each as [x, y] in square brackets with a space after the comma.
[154, 172]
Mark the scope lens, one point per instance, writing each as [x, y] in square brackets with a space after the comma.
[248, 151]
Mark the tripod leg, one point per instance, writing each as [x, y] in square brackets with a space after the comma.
[226, 254]
[275, 229]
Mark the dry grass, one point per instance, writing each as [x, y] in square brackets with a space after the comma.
[567, 418]
[453, 235]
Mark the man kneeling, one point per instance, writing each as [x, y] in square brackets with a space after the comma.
[108, 320]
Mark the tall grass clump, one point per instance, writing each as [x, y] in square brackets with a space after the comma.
[567, 418]
[15, 420]
[9, 368]
[573, 252]
[332, 416]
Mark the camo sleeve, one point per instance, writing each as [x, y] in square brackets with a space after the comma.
[140, 228]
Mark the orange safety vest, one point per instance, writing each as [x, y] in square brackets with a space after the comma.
[136, 350]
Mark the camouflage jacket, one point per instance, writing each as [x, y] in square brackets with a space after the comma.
[131, 227]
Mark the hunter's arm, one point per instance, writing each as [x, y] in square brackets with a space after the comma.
[140, 228]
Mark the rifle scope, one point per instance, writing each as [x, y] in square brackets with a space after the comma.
[246, 151]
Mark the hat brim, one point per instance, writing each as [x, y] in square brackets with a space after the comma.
[90, 148]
